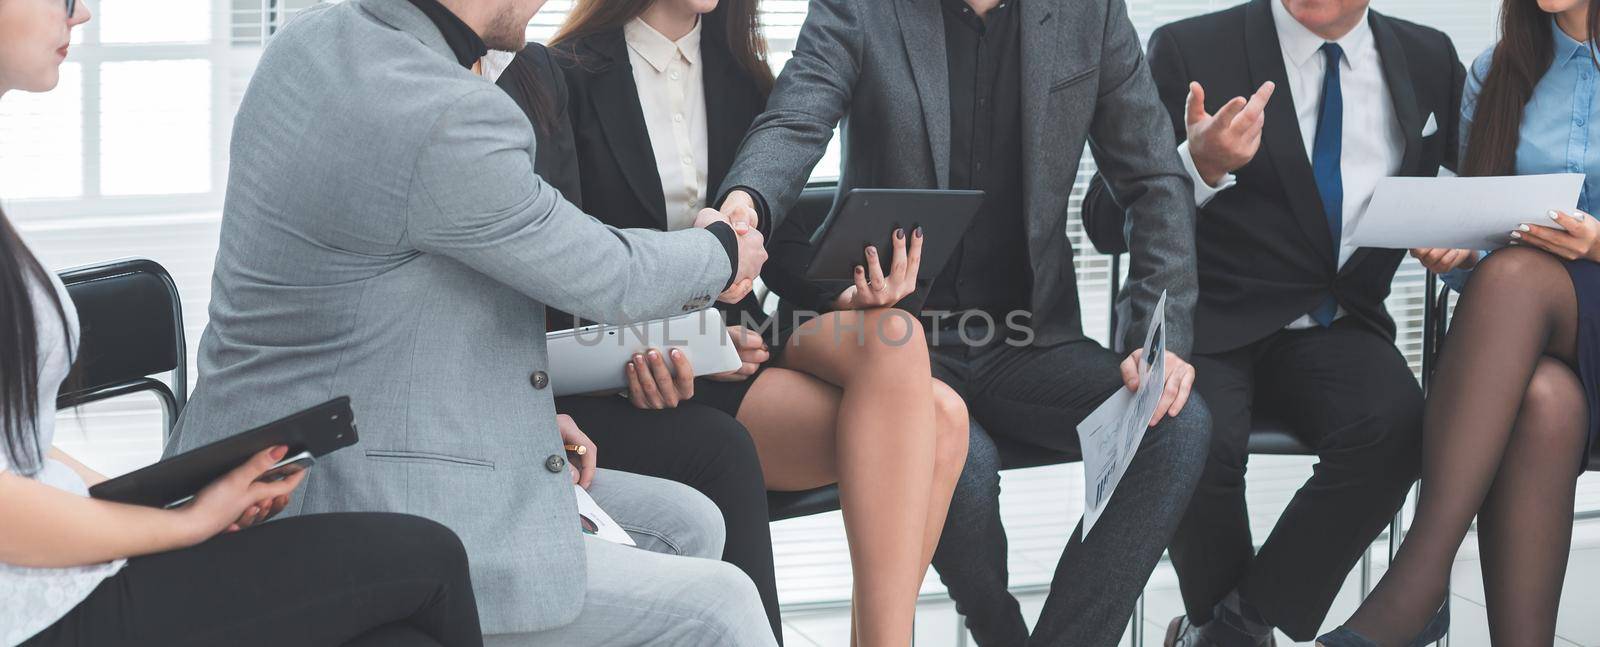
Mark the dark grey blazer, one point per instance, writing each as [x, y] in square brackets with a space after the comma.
[878, 69]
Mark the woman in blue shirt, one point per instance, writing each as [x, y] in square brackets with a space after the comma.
[1509, 415]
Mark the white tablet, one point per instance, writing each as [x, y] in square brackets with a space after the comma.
[589, 359]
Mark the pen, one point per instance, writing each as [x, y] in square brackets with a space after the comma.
[577, 449]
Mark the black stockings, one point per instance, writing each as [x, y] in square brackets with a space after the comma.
[1504, 431]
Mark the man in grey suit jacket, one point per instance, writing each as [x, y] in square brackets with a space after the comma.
[1002, 96]
[385, 237]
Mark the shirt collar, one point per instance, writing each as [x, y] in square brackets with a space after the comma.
[1566, 47]
[464, 43]
[656, 49]
[1300, 44]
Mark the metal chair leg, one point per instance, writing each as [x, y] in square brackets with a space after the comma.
[1137, 639]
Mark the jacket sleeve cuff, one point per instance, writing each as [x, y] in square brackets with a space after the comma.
[1203, 193]
[730, 244]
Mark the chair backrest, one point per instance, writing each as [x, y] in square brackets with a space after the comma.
[132, 323]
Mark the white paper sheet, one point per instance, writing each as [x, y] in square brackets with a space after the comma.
[597, 522]
[1110, 436]
[1460, 212]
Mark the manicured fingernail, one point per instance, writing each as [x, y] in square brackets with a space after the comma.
[1516, 234]
[859, 270]
[872, 251]
[654, 354]
[917, 232]
[899, 234]
[1524, 228]
[676, 353]
[1553, 215]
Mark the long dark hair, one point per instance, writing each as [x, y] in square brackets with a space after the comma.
[19, 350]
[1521, 58]
[734, 24]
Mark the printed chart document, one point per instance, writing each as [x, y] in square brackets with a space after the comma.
[1460, 212]
[596, 522]
[1110, 436]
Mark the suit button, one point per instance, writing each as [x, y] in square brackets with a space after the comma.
[539, 380]
[555, 463]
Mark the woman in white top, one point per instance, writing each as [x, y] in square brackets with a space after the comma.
[661, 93]
[78, 571]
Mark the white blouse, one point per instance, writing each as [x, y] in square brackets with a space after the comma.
[671, 88]
[32, 599]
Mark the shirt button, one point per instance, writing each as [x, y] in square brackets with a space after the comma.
[675, 76]
[688, 160]
[677, 118]
[555, 464]
[1579, 121]
[539, 380]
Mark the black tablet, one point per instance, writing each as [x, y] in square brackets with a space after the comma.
[317, 431]
[870, 216]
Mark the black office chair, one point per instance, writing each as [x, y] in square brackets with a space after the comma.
[132, 330]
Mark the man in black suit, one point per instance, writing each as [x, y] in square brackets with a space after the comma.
[1290, 323]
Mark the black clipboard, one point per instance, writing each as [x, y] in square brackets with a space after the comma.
[318, 431]
[870, 216]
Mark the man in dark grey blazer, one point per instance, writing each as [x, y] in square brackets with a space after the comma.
[385, 237]
[1002, 96]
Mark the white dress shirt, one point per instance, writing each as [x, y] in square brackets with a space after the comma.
[1373, 144]
[671, 88]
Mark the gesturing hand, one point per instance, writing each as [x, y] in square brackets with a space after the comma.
[874, 290]
[752, 351]
[1439, 260]
[237, 500]
[1180, 378]
[652, 386]
[1578, 241]
[582, 466]
[1223, 142]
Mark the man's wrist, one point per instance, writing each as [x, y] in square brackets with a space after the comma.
[730, 244]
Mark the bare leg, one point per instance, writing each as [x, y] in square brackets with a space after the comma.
[1525, 528]
[1519, 308]
[861, 410]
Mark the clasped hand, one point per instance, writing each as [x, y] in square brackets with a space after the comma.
[739, 211]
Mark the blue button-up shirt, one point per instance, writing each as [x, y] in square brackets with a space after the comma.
[1558, 133]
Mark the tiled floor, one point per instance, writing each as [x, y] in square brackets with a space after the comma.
[1579, 624]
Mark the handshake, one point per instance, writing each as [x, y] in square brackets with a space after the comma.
[739, 212]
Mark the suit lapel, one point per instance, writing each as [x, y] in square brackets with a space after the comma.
[616, 101]
[1281, 137]
[922, 28]
[1040, 54]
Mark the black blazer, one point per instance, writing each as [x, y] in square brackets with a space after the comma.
[620, 183]
[1266, 256]
[535, 83]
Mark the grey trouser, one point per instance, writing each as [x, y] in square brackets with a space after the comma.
[1029, 400]
[671, 590]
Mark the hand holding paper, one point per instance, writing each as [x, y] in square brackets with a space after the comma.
[1110, 436]
[1460, 212]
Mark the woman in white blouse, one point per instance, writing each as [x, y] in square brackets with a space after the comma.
[660, 94]
[78, 571]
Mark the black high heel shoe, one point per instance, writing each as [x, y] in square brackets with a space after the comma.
[1434, 632]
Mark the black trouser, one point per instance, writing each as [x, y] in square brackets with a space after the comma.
[1033, 398]
[700, 447]
[1344, 391]
[374, 580]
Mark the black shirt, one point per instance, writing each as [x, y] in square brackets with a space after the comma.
[464, 43]
[989, 270]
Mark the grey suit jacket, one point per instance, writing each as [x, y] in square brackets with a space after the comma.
[877, 68]
[385, 237]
